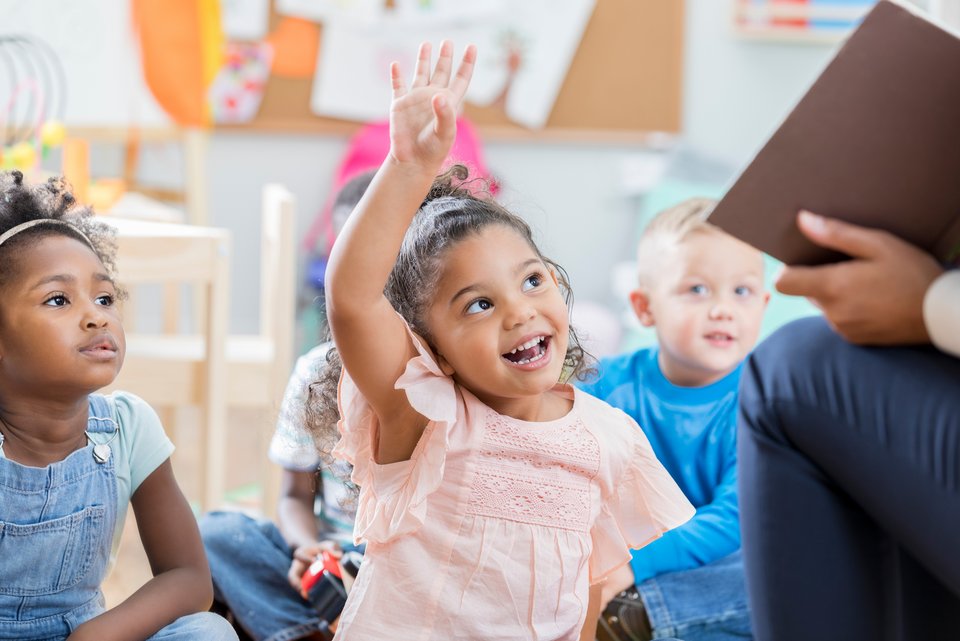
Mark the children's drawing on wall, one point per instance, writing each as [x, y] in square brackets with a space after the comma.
[237, 89]
[330, 10]
[374, 11]
[245, 19]
[535, 35]
[349, 80]
[512, 52]
[530, 52]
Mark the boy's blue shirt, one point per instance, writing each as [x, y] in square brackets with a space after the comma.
[693, 432]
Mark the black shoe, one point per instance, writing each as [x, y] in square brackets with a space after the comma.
[625, 619]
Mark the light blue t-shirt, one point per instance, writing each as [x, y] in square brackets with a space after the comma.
[693, 432]
[138, 447]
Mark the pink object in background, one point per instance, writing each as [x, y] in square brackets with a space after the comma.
[367, 150]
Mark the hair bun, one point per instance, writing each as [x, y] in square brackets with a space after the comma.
[447, 184]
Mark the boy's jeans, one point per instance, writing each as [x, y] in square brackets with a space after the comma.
[708, 603]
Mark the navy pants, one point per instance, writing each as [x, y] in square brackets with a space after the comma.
[850, 489]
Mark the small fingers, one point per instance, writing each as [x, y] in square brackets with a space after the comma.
[421, 74]
[441, 73]
[396, 81]
[464, 72]
[304, 555]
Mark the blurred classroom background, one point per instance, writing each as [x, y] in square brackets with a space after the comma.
[591, 115]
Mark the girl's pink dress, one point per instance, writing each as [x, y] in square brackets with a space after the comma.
[495, 527]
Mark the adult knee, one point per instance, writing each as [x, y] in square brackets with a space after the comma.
[793, 364]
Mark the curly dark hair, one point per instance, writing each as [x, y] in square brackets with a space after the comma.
[454, 209]
[51, 200]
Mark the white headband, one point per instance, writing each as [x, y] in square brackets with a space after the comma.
[13, 231]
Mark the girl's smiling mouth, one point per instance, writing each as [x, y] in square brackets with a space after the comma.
[530, 352]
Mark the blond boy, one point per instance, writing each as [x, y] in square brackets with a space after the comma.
[703, 293]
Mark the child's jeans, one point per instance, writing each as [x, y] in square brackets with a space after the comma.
[202, 625]
[708, 603]
[249, 561]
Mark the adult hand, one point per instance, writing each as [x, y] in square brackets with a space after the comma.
[876, 298]
[423, 119]
[303, 556]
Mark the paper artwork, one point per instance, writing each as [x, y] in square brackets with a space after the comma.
[526, 57]
[245, 19]
[525, 52]
[237, 90]
[353, 70]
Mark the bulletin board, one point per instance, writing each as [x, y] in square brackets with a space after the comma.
[624, 82]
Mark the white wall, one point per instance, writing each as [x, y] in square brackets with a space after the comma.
[737, 91]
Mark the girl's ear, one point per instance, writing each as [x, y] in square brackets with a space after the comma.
[640, 301]
[445, 366]
[553, 275]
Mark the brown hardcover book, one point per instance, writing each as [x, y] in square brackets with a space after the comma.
[875, 141]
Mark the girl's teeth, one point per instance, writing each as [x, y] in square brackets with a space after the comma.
[530, 343]
[530, 360]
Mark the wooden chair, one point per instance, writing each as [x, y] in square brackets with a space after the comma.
[172, 369]
[259, 366]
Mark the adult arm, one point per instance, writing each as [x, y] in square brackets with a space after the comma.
[941, 312]
[181, 582]
[878, 296]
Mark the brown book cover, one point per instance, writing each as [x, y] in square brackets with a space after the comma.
[875, 141]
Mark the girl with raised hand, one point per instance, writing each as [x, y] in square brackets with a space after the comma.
[71, 460]
[493, 496]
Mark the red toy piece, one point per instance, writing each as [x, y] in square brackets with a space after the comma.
[326, 562]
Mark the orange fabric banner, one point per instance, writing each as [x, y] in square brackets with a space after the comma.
[181, 44]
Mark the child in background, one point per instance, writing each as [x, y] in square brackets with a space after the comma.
[703, 292]
[71, 460]
[257, 566]
[493, 498]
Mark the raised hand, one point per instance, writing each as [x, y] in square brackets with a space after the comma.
[876, 298]
[423, 118]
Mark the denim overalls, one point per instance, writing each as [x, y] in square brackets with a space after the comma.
[56, 530]
[56, 533]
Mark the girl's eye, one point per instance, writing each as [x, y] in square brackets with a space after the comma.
[106, 300]
[532, 282]
[56, 300]
[479, 305]
[698, 289]
[742, 290]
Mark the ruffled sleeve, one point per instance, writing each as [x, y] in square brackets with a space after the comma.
[642, 504]
[393, 497]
